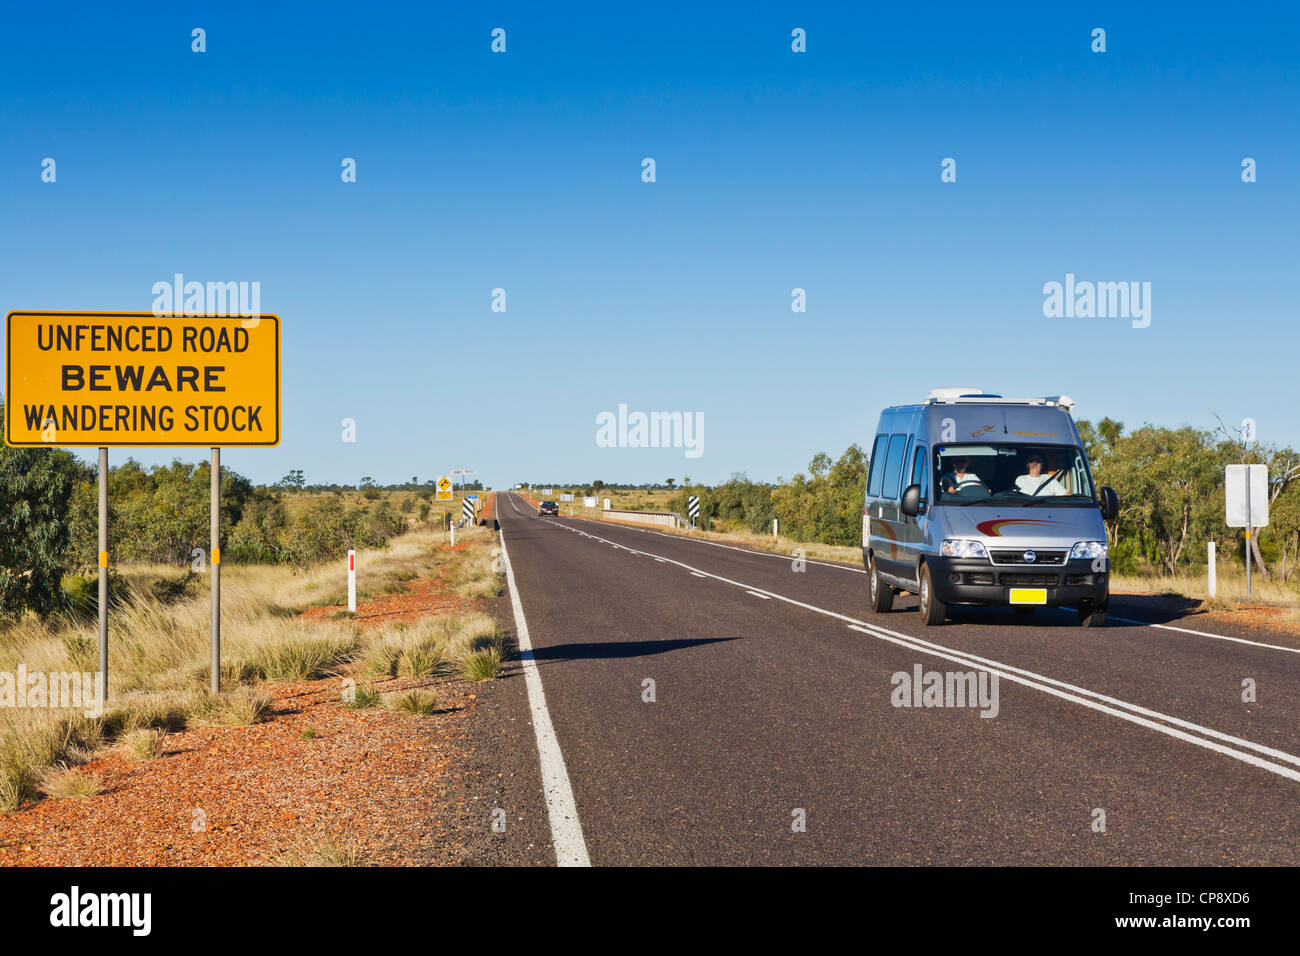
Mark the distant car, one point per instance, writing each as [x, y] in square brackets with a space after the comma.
[548, 508]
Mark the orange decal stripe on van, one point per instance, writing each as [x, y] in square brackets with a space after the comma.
[886, 531]
[993, 528]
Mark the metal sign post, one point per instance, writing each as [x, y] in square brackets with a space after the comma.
[445, 490]
[1248, 540]
[103, 576]
[1245, 493]
[214, 684]
[102, 377]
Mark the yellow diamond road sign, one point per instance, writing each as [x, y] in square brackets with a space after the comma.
[444, 489]
[134, 378]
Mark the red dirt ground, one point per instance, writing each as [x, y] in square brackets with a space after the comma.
[314, 771]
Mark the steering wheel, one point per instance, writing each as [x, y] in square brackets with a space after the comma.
[968, 484]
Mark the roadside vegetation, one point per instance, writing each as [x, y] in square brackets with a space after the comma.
[159, 614]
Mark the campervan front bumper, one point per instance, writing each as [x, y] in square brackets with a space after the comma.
[977, 581]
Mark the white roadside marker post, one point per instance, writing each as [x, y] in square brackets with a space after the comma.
[1212, 570]
[352, 582]
[774, 533]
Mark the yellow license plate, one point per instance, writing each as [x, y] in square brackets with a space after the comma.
[1029, 595]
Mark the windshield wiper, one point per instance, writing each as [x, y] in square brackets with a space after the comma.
[1053, 499]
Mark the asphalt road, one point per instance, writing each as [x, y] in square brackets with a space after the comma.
[774, 704]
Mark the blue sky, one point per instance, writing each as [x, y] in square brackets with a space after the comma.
[775, 170]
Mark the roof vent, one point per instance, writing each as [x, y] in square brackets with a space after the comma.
[951, 392]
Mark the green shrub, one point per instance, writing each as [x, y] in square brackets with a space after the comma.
[483, 664]
[303, 657]
[36, 489]
[365, 697]
[173, 590]
[418, 703]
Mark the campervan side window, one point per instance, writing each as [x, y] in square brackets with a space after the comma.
[894, 465]
[877, 465]
[918, 472]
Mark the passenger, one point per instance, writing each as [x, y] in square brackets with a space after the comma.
[954, 481]
[1036, 483]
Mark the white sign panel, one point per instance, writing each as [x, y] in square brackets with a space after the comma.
[1246, 494]
[566, 497]
[590, 502]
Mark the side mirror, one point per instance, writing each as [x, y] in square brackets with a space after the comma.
[912, 504]
[1109, 502]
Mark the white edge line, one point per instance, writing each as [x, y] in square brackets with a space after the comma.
[566, 830]
[1217, 637]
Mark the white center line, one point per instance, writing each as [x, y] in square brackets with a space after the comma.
[1133, 713]
[854, 570]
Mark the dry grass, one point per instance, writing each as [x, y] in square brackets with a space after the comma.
[239, 707]
[159, 652]
[66, 783]
[478, 575]
[1229, 593]
[32, 741]
[416, 702]
[301, 650]
[143, 743]
[432, 647]
[326, 853]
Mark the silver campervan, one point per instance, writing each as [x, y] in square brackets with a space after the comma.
[979, 499]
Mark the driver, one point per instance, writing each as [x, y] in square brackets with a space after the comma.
[1036, 483]
[954, 481]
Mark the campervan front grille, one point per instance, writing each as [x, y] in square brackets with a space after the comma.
[1018, 557]
[1028, 580]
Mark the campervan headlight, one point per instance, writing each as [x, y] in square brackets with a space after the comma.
[963, 548]
[1090, 550]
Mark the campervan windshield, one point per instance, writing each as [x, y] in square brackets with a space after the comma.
[1013, 475]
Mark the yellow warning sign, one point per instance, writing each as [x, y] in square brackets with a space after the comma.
[134, 378]
[445, 491]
